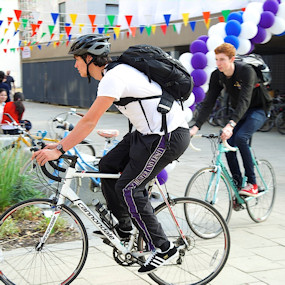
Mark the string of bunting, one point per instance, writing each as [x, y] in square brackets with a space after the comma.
[24, 25]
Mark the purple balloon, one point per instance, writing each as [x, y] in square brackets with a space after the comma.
[199, 94]
[232, 40]
[203, 38]
[271, 5]
[266, 20]
[192, 107]
[198, 46]
[251, 48]
[199, 60]
[199, 77]
[235, 16]
[260, 36]
[233, 28]
[162, 176]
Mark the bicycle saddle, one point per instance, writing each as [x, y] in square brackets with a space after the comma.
[106, 133]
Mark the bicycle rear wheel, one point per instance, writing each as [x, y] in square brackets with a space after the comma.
[203, 259]
[202, 186]
[58, 261]
[260, 207]
[223, 116]
[280, 123]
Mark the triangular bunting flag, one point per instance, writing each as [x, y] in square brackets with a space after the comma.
[243, 9]
[18, 14]
[141, 28]
[106, 28]
[185, 17]
[178, 27]
[34, 28]
[67, 30]
[1, 41]
[40, 47]
[163, 28]
[12, 49]
[226, 13]
[167, 18]
[129, 19]
[54, 17]
[94, 28]
[1, 21]
[153, 28]
[221, 19]
[206, 16]
[92, 19]
[174, 28]
[43, 34]
[8, 40]
[80, 27]
[48, 44]
[9, 20]
[51, 28]
[148, 30]
[24, 23]
[5, 31]
[117, 31]
[0, 10]
[101, 30]
[192, 25]
[73, 18]
[61, 36]
[208, 24]
[17, 25]
[111, 19]
[51, 36]
[5, 50]
[133, 31]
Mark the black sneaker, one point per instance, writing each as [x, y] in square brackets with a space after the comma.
[158, 259]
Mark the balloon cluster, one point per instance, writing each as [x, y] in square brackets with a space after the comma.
[243, 30]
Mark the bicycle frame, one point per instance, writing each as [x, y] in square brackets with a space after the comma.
[67, 192]
[220, 167]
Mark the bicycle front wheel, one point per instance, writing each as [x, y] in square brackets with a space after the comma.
[202, 186]
[200, 260]
[260, 207]
[58, 261]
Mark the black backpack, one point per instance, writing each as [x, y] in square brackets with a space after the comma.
[159, 66]
[263, 73]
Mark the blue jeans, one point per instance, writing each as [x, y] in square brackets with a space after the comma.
[252, 120]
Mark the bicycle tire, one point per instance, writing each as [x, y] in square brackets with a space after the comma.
[86, 148]
[223, 116]
[259, 208]
[203, 259]
[58, 261]
[198, 185]
[268, 125]
[280, 123]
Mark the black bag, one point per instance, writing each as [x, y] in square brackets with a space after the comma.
[159, 66]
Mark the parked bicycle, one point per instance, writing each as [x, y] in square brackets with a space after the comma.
[44, 241]
[215, 185]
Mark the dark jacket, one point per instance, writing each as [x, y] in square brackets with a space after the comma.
[240, 88]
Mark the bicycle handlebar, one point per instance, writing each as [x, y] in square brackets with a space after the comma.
[211, 136]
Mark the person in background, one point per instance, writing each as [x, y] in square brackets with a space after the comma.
[3, 98]
[239, 80]
[10, 81]
[4, 85]
[15, 110]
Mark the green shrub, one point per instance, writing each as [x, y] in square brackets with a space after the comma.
[13, 186]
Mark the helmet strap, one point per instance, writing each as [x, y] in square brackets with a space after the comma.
[87, 66]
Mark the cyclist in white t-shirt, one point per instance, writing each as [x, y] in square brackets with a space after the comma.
[140, 156]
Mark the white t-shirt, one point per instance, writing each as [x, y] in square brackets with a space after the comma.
[125, 81]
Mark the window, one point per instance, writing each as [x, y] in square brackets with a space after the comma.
[62, 17]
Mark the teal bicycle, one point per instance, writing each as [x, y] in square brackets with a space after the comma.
[215, 185]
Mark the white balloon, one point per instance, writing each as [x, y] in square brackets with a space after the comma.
[244, 46]
[281, 11]
[170, 166]
[268, 37]
[185, 59]
[251, 16]
[248, 30]
[211, 58]
[278, 27]
[205, 87]
[213, 42]
[217, 30]
[189, 102]
[188, 114]
[255, 6]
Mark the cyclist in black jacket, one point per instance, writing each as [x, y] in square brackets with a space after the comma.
[239, 79]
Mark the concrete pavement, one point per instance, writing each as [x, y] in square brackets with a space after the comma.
[257, 250]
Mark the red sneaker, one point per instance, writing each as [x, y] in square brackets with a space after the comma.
[249, 190]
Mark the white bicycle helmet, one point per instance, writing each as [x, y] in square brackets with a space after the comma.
[97, 45]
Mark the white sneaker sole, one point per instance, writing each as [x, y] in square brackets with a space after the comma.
[166, 262]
